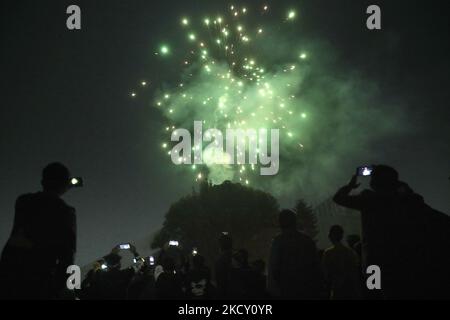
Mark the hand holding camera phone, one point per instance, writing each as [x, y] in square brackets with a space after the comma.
[364, 171]
[173, 243]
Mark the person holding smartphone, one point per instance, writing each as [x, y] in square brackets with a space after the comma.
[43, 240]
[398, 229]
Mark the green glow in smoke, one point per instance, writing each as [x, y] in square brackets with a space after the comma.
[233, 78]
[164, 50]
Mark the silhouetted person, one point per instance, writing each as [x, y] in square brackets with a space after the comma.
[258, 280]
[340, 268]
[43, 240]
[149, 291]
[142, 286]
[89, 285]
[293, 262]
[112, 282]
[396, 230]
[240, 276]
[169, 284]
[176, 253]
[354, 243]
[198, 280]
[223, 267]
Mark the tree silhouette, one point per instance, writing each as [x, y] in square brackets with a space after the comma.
[198, 219]
[307, 220]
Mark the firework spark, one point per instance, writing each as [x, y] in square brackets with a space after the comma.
[233, 87]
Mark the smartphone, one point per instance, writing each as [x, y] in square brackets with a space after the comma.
[104, 266]
[151, 260]
[194, 251]
[125, 246]
[364, 171]
[173, 243]
[76, 182]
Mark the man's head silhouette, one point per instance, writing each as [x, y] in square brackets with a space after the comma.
[55, 178]
[113, 261]
[384, 178]
[336, 234]
[287, 219]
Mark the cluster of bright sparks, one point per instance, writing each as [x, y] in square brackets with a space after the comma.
[221, 49]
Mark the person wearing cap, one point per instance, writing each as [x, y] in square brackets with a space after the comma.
[42, 243]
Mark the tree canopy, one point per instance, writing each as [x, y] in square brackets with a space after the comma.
[307, 220]
[197, 220]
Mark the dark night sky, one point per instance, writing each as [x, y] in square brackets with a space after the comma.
[65, 97]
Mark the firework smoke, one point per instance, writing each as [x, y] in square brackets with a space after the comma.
[241, 73]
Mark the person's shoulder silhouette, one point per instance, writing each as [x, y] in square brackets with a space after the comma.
[293, 262]
[43, 217]
[44, 230]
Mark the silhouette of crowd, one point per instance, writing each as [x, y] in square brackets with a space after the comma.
[401, 234]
